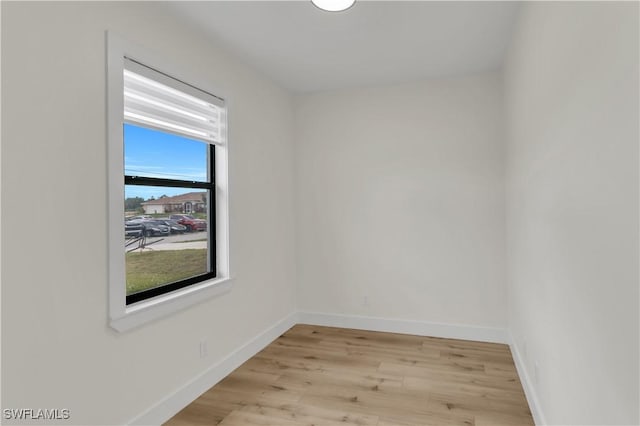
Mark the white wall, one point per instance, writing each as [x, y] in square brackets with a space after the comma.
[400, 199]
[58, 351]
[572, 109]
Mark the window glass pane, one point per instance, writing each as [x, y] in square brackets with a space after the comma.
[152, 153]
[166, 235]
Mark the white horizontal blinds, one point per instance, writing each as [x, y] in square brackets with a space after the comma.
[153, 99]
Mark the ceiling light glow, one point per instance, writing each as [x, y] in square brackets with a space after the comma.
[333, 5]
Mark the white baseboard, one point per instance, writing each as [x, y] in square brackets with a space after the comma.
[527, 385]
[180, 398]
[419, 328]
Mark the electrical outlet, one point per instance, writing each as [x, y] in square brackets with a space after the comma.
[203, 348]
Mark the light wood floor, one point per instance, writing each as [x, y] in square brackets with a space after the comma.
[324, 376]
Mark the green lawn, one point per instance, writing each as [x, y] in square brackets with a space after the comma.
[154, 268]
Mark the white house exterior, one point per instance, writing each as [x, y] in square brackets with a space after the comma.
[153, 208]
[184, 203]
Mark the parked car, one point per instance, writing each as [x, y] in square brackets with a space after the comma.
[174, 226]
[133, 229]
[190, 222]
[140, 217]
[152, 228]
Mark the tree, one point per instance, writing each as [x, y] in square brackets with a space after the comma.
[133, 203]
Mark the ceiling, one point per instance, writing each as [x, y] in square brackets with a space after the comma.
[305, 49]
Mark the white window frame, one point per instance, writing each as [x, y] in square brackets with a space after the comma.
[121, 316]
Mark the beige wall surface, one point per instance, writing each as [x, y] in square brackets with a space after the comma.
[57, 348]
[400, 201]
[572, 112]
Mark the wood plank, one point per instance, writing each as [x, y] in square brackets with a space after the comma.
[309, 415]
[315, 375]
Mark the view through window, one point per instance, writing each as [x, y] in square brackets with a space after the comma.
[167, 231]
[169, 140]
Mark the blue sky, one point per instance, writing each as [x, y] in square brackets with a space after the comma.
[153, 153]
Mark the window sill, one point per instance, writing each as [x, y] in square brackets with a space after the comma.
[146, 311]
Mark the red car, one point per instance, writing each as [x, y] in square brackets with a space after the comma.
[190, 222]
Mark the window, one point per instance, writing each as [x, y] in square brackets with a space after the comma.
[168, 214]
